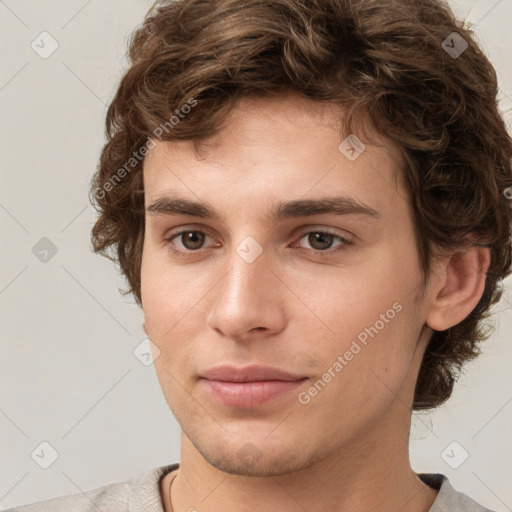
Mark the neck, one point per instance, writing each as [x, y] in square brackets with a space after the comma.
[372, 473]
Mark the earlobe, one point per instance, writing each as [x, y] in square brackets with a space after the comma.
[460, 289]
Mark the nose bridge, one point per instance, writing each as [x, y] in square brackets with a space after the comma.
[244, 284]
[244, 300]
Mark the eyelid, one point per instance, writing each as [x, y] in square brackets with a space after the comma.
[186, 228]
[299, 231]
[326, 229]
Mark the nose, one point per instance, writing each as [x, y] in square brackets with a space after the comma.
[248, 303]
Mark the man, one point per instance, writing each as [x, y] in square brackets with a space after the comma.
[309, 201]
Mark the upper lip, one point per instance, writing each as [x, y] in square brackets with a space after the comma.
[250, 373]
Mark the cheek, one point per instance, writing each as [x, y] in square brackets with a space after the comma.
[348, 302]
[371, 340]
[166, 292]
[356, 382]
[172, 312]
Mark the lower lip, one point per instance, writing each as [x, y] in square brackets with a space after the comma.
[249, 394]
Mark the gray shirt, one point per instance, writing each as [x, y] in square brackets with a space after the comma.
[142, 494]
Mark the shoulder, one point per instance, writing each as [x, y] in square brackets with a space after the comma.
[449, 499]
[111, 497]
[140, 493]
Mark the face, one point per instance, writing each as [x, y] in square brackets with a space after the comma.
[313, 309]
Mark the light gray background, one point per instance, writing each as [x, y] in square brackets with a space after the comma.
[68, 375]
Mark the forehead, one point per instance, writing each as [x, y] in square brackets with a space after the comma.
[282, 146]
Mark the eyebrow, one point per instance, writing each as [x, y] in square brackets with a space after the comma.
[336, 205]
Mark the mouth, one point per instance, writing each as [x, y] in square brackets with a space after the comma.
[250, 386]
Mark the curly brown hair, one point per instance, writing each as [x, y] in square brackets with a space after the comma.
[386, 61]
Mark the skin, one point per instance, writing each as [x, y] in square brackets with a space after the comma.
[347, 449]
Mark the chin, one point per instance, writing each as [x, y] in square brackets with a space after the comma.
[247, 459]
[265, 467]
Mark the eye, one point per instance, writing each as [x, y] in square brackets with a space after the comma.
[191, 241]
[322, 240]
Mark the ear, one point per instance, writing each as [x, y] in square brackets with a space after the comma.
[459, 286]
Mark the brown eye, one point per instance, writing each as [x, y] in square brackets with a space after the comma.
[192, 240]
[320, 241]
[187, 242]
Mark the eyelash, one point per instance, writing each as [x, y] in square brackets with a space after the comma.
[345, 246]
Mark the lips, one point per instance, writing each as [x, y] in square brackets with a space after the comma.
[249, 386]
[248, 374]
